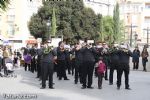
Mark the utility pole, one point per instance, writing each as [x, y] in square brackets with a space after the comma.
[131, 27]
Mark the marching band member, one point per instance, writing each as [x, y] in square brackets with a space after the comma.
[124, 56]
[47, 67]
[61, 61]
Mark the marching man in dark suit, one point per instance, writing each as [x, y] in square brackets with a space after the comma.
[47, 65]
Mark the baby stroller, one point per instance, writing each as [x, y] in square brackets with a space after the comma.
[8, 66]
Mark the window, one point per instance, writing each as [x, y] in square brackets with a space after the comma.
[10, 18]
[147, 5]
[141, 9]
[147, 20]
[136, 8]
[10, 30]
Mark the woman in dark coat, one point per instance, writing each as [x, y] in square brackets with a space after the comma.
[135, 58]
[144, 55]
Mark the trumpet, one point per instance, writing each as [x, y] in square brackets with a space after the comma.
[125, 50]
[114, 49]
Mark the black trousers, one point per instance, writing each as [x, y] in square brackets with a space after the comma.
[87, 71]
[47, 72]
[33, 65]
[27, 65]
[39, 68]
[1, 63]
[78, 73]
[5, 70]
[68, 65]
[144, 64]
[73, 65]
[61, 69]
[100, 79]
[106, 72]
[113, 67]
[4, 66]
[123, 68]
[135, 65]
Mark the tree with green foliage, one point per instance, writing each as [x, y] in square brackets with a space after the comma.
[4, 4]
[72, 20]
[108, 29]
[116, 21]
[101, 27]
[53, 23]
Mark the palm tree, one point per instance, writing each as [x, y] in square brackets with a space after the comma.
[4, 4]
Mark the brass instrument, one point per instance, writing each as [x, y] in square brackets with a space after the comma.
[114, 49]
[48, 49]
[125, 50]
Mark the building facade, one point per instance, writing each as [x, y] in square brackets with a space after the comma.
[131, 13]
[104, 7]
[134, 13]
[14, 21]
[136, 17]
[146, 21]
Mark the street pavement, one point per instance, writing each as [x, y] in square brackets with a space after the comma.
[26, 83]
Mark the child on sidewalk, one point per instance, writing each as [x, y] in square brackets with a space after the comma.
[100, 70]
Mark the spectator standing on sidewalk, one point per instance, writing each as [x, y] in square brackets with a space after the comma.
[144, 55]
[1, 59]
[135, 58]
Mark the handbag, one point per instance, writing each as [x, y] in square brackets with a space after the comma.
[146, 59]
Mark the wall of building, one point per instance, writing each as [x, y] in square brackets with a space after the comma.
[104, 7]
[14, 21]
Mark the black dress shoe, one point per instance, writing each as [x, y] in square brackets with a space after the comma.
[83, 87]
[59, 78]
[106, 79]
[128, 88]
[99, 87]
[66, 79]
[118, 88]
[81, 82]
[75, 82]
[90, 87]
[42, 88]
[51, 88]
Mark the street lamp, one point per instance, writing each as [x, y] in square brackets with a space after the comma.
[48, 25]
[136, 37]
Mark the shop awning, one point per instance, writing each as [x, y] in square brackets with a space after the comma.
[31, 41]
